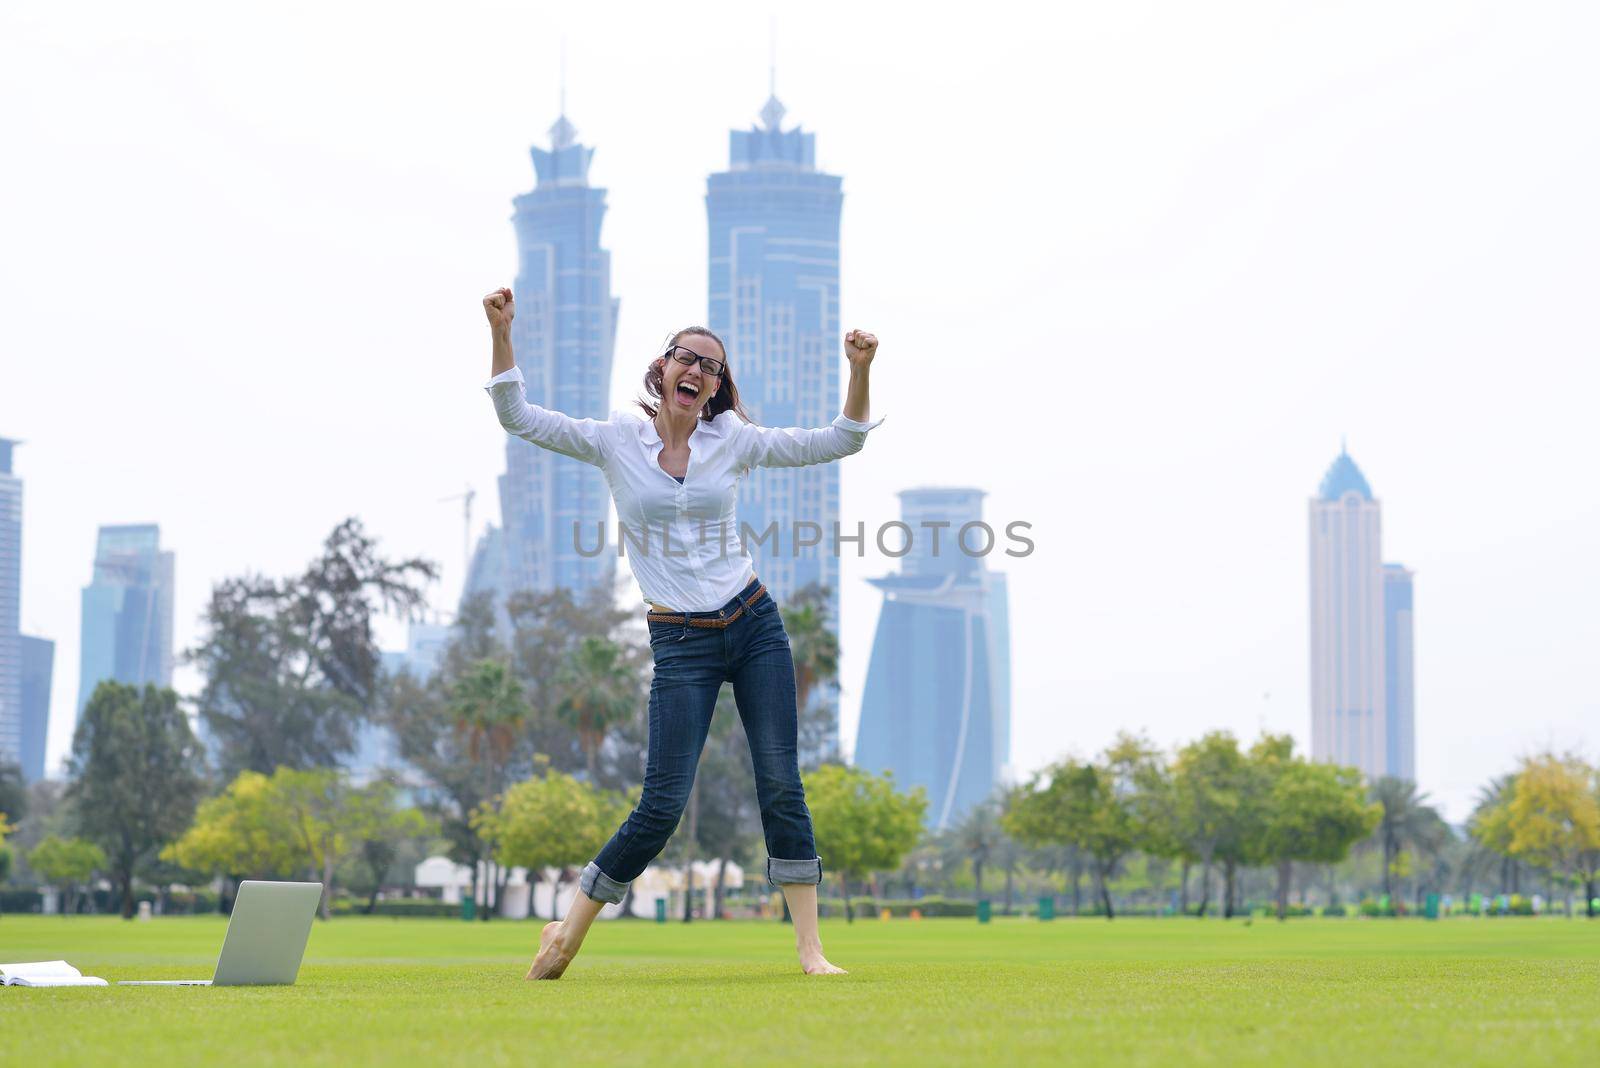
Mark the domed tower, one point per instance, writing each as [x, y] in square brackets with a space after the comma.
[1347, 608]
[553, 511]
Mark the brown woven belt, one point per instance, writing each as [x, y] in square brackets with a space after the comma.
[660, 617]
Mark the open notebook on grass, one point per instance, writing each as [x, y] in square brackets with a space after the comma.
[46, 973]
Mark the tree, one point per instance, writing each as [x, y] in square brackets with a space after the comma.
[1314, 813]
[978, 838]
[1248, 785]
[291, 667]
[598, 690]
[552, 820]
[431, 740]
[243, 832]
[14, 806]
[1554, 818]
[67, 863]
[134, 774]
[1206, 797]
[1093, 806]
[379, 827]
[316, 803]
[814, 643]
[861, 822]
[548, 630]
[295, 821]
[13, 791]
[5, 850]
[1490, 826]
[488, 708]
[1031, 814]
[1408, 821]
[1160, 828]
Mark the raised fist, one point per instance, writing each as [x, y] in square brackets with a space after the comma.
[860, 347]
[500, 307]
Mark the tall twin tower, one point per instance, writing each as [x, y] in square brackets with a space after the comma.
[773, 296]
[1363, 703]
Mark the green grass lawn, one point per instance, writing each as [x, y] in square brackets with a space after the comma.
[1168, 992]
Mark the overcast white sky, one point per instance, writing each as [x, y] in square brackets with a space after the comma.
[1136, 268]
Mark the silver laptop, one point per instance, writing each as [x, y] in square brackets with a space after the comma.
[266, 937]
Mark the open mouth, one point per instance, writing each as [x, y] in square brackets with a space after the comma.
[687, 393]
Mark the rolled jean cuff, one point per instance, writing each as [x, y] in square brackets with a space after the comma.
[600, 886]
[780, 871]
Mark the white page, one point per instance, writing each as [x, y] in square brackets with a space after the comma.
[60, 980]
[46, 973]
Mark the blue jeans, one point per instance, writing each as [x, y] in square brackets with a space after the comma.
[691, 664]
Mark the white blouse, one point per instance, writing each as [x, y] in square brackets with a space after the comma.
[682, 539]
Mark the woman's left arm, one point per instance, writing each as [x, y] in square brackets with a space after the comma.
[797, 447]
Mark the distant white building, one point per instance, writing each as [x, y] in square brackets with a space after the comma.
[1361, 654]
[454, 883]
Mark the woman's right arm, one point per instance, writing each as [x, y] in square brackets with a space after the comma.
[583, 439]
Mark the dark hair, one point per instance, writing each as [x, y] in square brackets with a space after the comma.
[726, 397]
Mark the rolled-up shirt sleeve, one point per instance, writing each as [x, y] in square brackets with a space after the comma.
[583, 439]
[797, 447]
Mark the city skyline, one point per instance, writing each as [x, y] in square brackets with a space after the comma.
[1138, 330]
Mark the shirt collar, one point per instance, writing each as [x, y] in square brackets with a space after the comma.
[714, 427]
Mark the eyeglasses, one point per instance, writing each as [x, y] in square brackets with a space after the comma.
[687, 356]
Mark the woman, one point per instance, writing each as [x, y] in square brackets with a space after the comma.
[675, 479]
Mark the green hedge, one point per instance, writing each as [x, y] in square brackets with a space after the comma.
[867, 908]
[178, 904]
[19, 901]
[397, 907]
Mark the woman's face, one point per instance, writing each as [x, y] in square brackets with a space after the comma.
[687, 388]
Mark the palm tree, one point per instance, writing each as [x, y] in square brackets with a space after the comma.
[597, 692]
[1491, 830]
[978, 837]
[488, 708]
[814, 644]
[1408, 821]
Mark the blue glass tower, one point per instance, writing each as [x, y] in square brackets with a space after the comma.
[1399, 677]
[773, 224]
[564, 336]
[937, 706]
[127, 611]
[38, 662]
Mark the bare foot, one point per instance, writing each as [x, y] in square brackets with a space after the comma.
[553, 955]
[817, 964]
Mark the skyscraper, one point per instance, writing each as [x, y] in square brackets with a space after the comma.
[1399, 688]
[10, 606]
[937, 706]
[38, 664]
[773, 223]
[127, 611]
[1361, 712]
[564, 338]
